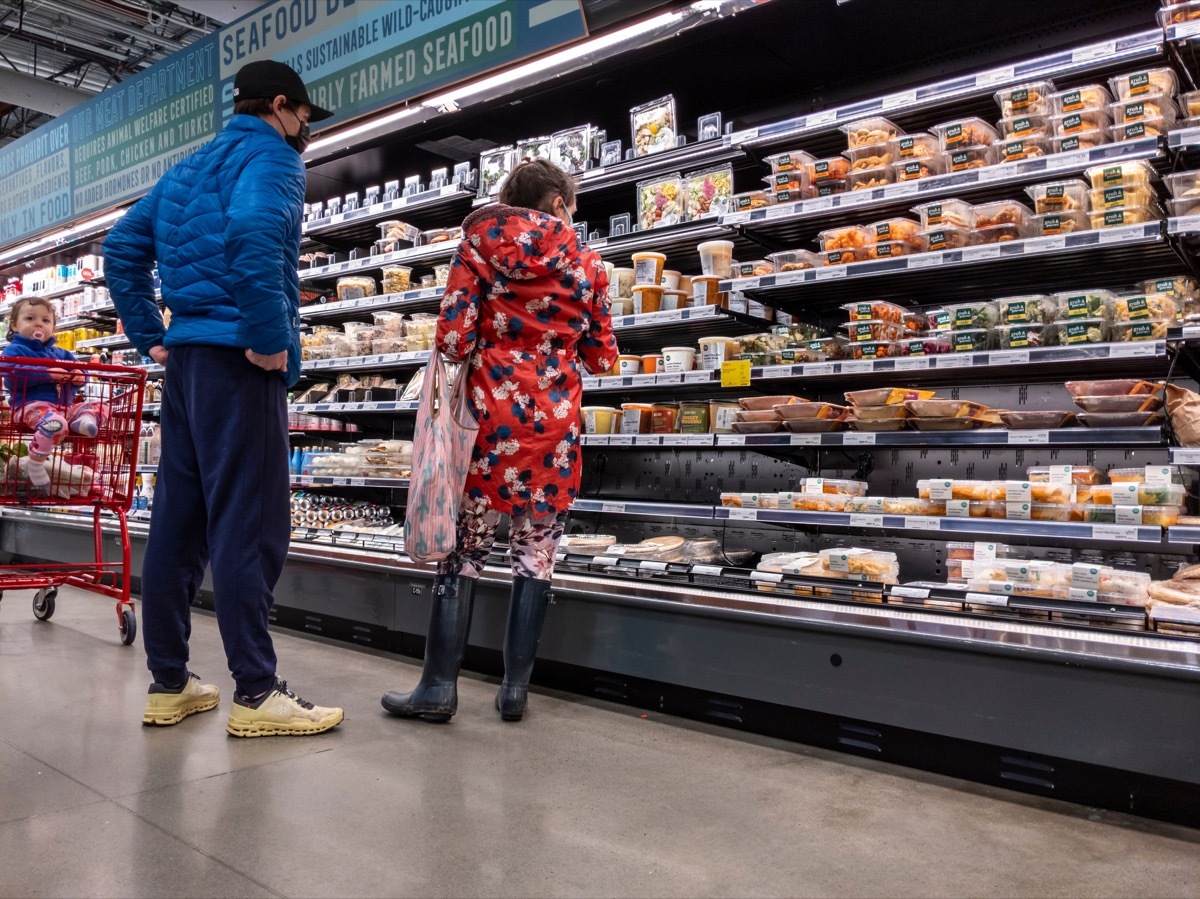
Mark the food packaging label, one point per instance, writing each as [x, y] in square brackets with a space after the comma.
[958, 508]
[1055, 196]
[1071, 124]
[933, 213]
[1128, 515]
[750, 500]
[631, 421]
[1068, 144]
[1158, 476]
[814, 485]
[841, 561]
[1051, 224]
[1114, 196]
[1166, 286]
[964, 317]
[1014, 151]
[938, 240]
[915, 348]
[984, 551]
[726, 416]
[860, 332]
[964, 342]
[954, 135]
[645, 271]
[960, 160]
[1017, 313]
[1139, 84]
[940, 321]
[883, 250]
[828, 190]
[1077, 332]
[1085, 576]
[862, 313]
[967, 570]
[1017, 511]
[1022, 126]
[1019, 99]
[1018, 492]
[1080, 594]
[1142, 331]
[941, 490]
[1114, 217]
[1138, 307]
[869, 504]
[1061, 475]
[1112, 175]
[1125, 494]
[906, 146]
[1072, 100]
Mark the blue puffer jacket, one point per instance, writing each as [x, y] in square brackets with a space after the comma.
[224, 228]
[27, 384]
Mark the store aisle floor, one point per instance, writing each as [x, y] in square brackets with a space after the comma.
[583, 798]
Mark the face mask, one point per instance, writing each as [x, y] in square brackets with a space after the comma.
[301, 139]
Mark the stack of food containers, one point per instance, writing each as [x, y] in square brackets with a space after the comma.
[1144, 104]
[871, 152]
[1060, 207]
[967, 144]
[1122, 194]
[1185, 193]
[1000, 222]
[1080, 118]
[1025, 121]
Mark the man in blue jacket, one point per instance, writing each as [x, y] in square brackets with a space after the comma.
[224, 229]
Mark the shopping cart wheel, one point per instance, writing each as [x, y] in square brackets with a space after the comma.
[128, 626]
[43, 603]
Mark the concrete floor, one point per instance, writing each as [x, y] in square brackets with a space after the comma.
[581, 799]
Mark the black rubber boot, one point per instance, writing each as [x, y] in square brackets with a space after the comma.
[526, 615]
[436, 696]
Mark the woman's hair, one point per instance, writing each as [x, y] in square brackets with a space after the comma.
[535, 183]
[28, 301]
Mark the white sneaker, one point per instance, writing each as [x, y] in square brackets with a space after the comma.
[165, 706]
[280, 713]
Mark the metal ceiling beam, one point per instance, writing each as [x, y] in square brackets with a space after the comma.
[223, 11]
[39, 94]
[108, 25]
[50, 41]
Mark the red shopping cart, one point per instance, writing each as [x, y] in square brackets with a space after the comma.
[94, 414]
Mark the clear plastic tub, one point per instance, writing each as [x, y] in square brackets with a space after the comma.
[1164, 516]
[1183, 184]
[1020, 337]
[887, 249]
[1123, 195]
[1143, 83]
[1124, 215]
[1025, 99]
[862, 562]
[842, 257]
[1027, 309]
[1120, 173]
[941, 213]
[916, 169]
[1138, 130]
[973, 340]
[998, 234]
[870, 156]
[751, 199]
[1024, 148]
[1144, 306]
[831, 187]
[873, 349]
[1085, 140]
[1138, 475]
[962, 158]
[1190, 206]
[1059, 196]
[1189, 104]
[1005, 212]
[859, 331]
[787, 162]
[945, 238]
[795, 180]
[1083, 330]
[878, 310]
[1024, 125]
[918, 145]
[866, 179]
[849, 237]
[895, 229]
[935, 343]
[821, 502]
[977, 315]
[794, 260]
[875, 130]
[1179, 287]
[832, 485]
[831, 167]
[1145, 109]
[1147, 329]
[964, 133]
[1087, 96]
[1168, 495]
[1051, 223]
[975, 491]
[1084, 304]
[1080, 475]
[988, 509]
[1081, 122]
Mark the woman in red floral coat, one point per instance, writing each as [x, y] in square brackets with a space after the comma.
[525, 304]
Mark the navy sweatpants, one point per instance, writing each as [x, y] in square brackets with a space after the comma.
[222, 497]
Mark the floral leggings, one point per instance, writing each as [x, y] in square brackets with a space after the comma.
[532, 541]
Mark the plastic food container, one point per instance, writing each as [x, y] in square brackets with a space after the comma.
[1179, 287]
[1190, 206]
[975, 491]
[870, 156]
[866, 179]
[715, 350]
[1027, 309]
[1190, 103]
[705, 291]
[708, 192]
[970, 156]
[850, 237]
[1037, 420]
[790, 411]
[861, 562]
[790, 161]
[1124, 215]
[859, 331]
[1144, 306]
[660, 202]
[599, 419]
[1059, 196]
[833, 485]
[1145, 109]
[1031, 98]
[880, 310]
[1147, 329]
[1119, 404]
[635, 418]
[355, 287]
[915, 169]
[935, 343]
[678, 359]
[916, 146]
[664, 418]
[965, 132]
[1083, 330]
[694, 417]
[751, 199]
[842, 257]
[1087, 96]
[895, 229]
[831, 187]
[881, 349]
[1051, 223]
[1020, 337]
[893, 411]
[628, 364]
[886, 249]
[821, 502]
[673, 299]
[870, 131]
[972, 340]
[881, 396]
[831, 167]
[781, 181]
[1016, 127]
[652, 363]
[716, 256]
[1024, 148]
[945, 238]
[1005, 212]
[1085, 140]
[1120, 174]
[648, 266]
[964, 316]
[1183, 184]
[647, 298]
[1143, 83]
[794, 260]
[942, 213]
[1138, 475]
[998, 234]
[1126, 195]
[1082, 121]
[1138, 130]
[1081, 475]
[1084, 304]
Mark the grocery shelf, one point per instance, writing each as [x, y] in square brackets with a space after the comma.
[1184, 534]
[151, 408]
[357, 363]
[62, 290]
[360, 225]
[1184, 224]
[426, 299]
[1182, 31]
[109, 342]
[628, 172]
[1142, 45]
[438, 252]
[663, 510]
[792, 223]
[947, 368]
[1184, 139]
[308, 480]
[1084, 437]
[678, 242]
[1062, 260]
[342, 408]
[684, 326]
[1181, 455]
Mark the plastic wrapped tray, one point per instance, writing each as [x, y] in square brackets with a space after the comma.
[1118, 387]
[1086, 96]
[1119, 404]
[879, 396]
[1024, 148]
[870, 131]
[1025, 99]
[1027, 336]
[942, 213]
[1059, 196]
[1048, 420]
[970, 156]
[1143, 83]
[915, 169]
[1051, 223]
[654, 126]
[964, 133]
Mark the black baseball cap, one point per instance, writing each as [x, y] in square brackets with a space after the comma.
[268, 79]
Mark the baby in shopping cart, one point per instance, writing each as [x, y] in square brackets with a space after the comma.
[43, 397]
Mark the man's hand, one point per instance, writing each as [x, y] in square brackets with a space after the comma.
[274, 362]
[159, 354]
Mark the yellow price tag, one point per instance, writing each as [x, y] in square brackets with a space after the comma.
[735, 373]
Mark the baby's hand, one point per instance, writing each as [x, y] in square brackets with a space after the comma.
[78, 377]
[60, 374]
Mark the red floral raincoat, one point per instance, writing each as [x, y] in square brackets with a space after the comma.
[530, 301]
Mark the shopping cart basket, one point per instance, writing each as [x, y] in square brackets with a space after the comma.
[93, 473]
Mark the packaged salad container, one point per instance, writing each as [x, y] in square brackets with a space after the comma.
[660, 202]
[571, 148]
[709, 192]
[533, 148]
[494, 166]
[654, 126]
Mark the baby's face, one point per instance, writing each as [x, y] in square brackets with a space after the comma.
[35, 323]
